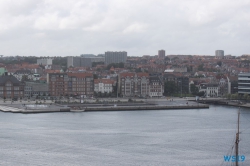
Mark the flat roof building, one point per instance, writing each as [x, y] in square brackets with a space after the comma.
[115, 57]
[244, 83]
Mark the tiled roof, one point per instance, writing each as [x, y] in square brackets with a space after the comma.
[11, 78]
[80, 75]
[105, 81]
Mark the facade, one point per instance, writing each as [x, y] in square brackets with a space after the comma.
[83, 61]
[58, 84]
[133, 84]
[86, 62]
[87, 55]
[44, 61]
[71, 84]
[10, 87]
[244, 83]
[20, 74]
[219, 54]
[210, 90]
[181, 81]
[2, 71]
[161, 54]
[33, 89]
[73, 61]
[80, 84]
[115, 57]
[103, 85]
[156, 88]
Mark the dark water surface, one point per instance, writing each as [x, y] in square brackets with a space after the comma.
[170, 137]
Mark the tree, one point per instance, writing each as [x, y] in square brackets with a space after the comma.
[95, 76]
[245, 96]
[24, 78]
[201, 93]
[138, 70]
[170, 87]
[201, 67]
[219, 63]
[194, 90]
[94, 64]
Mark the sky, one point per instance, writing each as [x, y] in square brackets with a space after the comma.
[142, 27]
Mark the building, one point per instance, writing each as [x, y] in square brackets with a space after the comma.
[103, 85]
[73, 61]
[44, 61]
[244, 83]
[83, 61]
[71, 84]
[23, 75]
[87, 55]
[81, 84]
[86, 62]
[181, 81]
[133, 84]
[219, 54]
[210, 90]
[2, 71]
[34, 89]
[115, 57]
[58, 84]
[10, 87]
[156, 88]
[161, 54]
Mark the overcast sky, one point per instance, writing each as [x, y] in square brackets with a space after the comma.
[142, 27]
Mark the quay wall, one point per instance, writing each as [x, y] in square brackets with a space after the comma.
[156, 107]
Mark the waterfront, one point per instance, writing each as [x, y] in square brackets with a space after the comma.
[165, 137]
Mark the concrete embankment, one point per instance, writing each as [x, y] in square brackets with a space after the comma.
[156, 107]
[12, 109]
[103, 108]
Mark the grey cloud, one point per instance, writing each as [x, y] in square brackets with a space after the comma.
[72, 27]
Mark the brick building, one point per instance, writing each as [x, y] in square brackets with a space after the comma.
[10, 87]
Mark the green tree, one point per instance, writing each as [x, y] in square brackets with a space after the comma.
[194, 90]
[138, 70]
[95, 76]
[201, 67]
[219, 63]
[170, 88]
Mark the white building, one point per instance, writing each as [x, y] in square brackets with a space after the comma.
[244, 83]
[210, 90]
[103, 85]
[44, 61]
[156, 88]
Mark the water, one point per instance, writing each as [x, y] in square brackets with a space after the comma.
[167, 137]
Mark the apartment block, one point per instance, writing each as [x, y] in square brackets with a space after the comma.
[115, 57]
[133, 84]
[44, 61]
[103, 85]
[244, 83]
